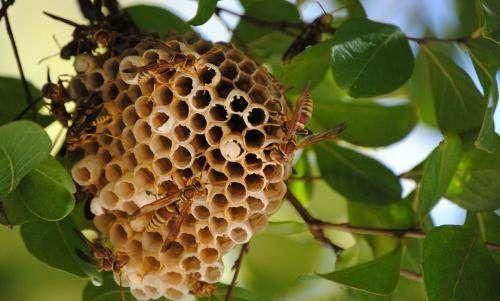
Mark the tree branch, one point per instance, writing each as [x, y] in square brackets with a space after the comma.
[27, 92]
[345, 227]
[314, 225]
[236, 268]
[5, 5]
[411, 275]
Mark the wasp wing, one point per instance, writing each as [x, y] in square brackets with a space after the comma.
[303, 106]
[162, 202]
[322, 136]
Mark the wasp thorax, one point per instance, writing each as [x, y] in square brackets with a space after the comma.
[189, 125]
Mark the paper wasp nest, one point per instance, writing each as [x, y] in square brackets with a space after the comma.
[218, 111]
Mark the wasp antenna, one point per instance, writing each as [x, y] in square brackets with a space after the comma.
[56, 41]
[321, 6]
[61, 19]
[47, 57]
[340, 8]
[48, 75]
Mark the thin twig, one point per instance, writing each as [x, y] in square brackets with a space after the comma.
[5, 5]
[405, 233]
[424, 40]
[236, 268]
[314, 225]
[411, 275]
[29, 97]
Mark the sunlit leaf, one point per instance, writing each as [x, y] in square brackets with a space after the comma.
[47, 191]
[361, 252]
[420, 91]
[23, 145]
[204, 11]
[156, 19]
[484, 56]
[459, 105]
[458, 267]
[55, 243]
[358, 177]
[379, 276]
[370, 58]
[398, 215]
[285, 228]
[301, 188]
[438, 172]
[475, 185]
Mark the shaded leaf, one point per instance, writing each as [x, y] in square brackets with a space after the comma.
[459, 105]
[491, 15]
[285, 228]
[368, 123]
[439, 169]
[475, 185]
[15, 210]
[14, 101]
[420, 91]
[204, 11]
[485, 57]
[458, 267]
[361, 252]
[370, 58]
[358, 177]
[379, 276]
[156, 19]
[47, 191]
[55, 243]
[398, 215]
[308, 67]
[23, 145]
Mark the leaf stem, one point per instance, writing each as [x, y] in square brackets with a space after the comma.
[315, 225]
[27, 91]
[405, 233]
[424, 40]
[5, 5]
[411, 275]
[236, 268]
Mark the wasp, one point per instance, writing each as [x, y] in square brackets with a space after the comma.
[310, 34]
[173, 218]
[200, 288]
[177, 60]
[58, 96]
[296, 125]
[104, 258]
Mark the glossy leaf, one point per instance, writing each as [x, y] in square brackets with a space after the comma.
[15, 210]
[55, 243]
[398, 215]
[370, 58]
[458, 267]
[459, 105]
[156, 19]
[23, 145]
[475, 185]
[308, 67]
[379, 276]
[439, 169]
[368, 123]
[420, 91]
[14, 101]
[204, 11]
[484, 56]
[358, 177]
[47, 191]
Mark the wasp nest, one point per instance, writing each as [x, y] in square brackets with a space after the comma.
[177, 111]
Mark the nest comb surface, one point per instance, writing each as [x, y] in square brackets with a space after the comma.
[212, 118]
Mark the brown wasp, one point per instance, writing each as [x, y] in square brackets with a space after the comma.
[58, 96]
[296, 125]
[310, 34]
[200, 288]
[177, 60]
[172, 217]
[103, 257]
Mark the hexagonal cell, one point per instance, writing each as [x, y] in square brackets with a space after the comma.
[234, 170]
[160, 121]
[182, 156]
[143, 153]
[162, 166]
[229, 69]
[237, 214]
[209, 255]
[144, 177]
[214, 135]
[183, 85]
[179, 109]
[147, 85]
[95, 79]
[201, 99]
[152, 241]
[224, 243]
[162, 95]
[207, 74]
[244, 82]
[255, 117]
[130, 116]
[253, 162]
[219, 202]
[109, 91]
[224, 87]
[240, 234]
[182, 132]
[258, 94]
[202, 46]
[254, 182]
[255, 204]
[236, 191]
[200, 143]
[254, 139]
[236, 123]
[143, 106]
[218, 225]
[119, 234]
[247, 66]
[201, 212]
[261, 77]
[160, 145]
[125, 189]
[216, 177]
[214, 56]
[238, 103]
[234, 55]
[198, 122]
[123, 100]
[113, 172]
[188, 241]
[111, 68]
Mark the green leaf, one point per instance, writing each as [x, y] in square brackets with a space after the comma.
[14, 101]
[420, 91]
[475, 185]
[308, 67]
[238, 294]
[23, 145]
[438, 172]
[204, 11]
[368, 123]
[247, 31]
[301, 189]
[285, 228]
[485, 57]
[55, 243]
[358, 177]
[491, 18]
[370, 58]
[379, 276]
[398, 215]
[47, 190]
[459, 105]
[360, 252]
[156, 19]
[458, 267]
[15, 210]
[108, 291]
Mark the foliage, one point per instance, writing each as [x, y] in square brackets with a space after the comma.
[361, 72]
